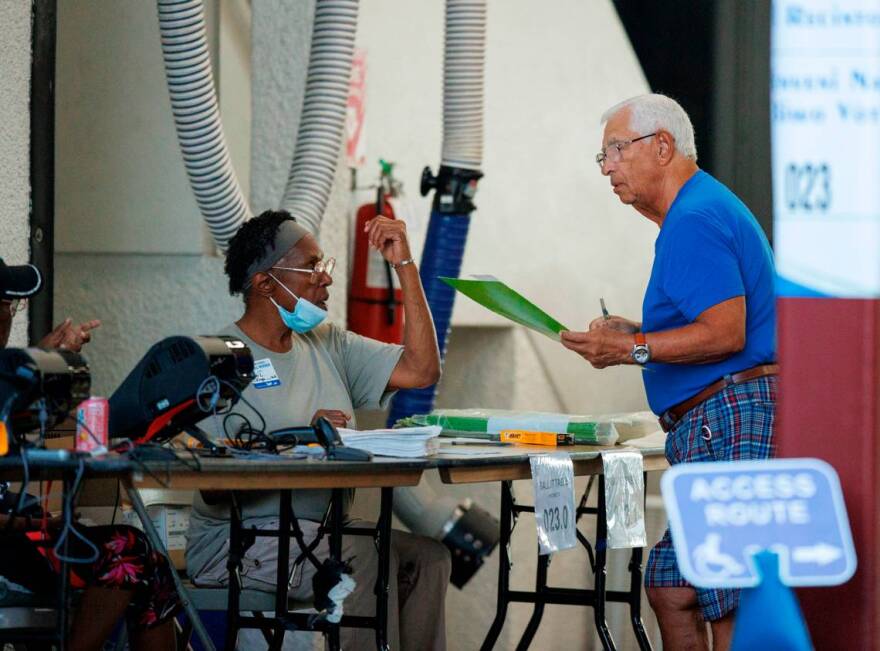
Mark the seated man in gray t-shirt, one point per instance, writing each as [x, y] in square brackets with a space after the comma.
[305, 369]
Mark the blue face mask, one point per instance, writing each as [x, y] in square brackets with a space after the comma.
[305, 316]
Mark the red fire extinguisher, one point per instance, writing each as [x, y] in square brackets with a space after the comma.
[375, 304]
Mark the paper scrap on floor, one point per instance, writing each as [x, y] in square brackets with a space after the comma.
[408, 442]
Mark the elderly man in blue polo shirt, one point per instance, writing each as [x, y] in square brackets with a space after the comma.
[707, 338]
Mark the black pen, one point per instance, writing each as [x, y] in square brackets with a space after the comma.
[480, 442]
[605, 314]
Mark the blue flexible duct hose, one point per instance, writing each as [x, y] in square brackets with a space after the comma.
[464, 60]
[444, 249]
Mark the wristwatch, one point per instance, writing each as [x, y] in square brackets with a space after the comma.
[641, 354]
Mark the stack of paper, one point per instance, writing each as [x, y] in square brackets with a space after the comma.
[403, 442]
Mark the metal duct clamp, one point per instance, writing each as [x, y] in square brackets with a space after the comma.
[456, 188]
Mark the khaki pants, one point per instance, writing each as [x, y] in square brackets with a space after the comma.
[419, 573]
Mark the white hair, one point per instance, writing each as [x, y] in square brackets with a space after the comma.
[648, 113]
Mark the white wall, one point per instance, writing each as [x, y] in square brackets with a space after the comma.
[546, 220]
[15, 78]
[121, 186]
[131, 240]
[131, 243]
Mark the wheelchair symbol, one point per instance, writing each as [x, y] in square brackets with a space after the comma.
[711, 562]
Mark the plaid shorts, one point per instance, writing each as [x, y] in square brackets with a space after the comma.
[734, 424]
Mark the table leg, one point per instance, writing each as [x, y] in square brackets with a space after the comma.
[503, 567]
[538, 612]
[233, 571]
[282, 579]
[635, 604]
[601, 557]
[383, 548]
[64, 579]
[157, 545]
[635, 590]
[336, 523]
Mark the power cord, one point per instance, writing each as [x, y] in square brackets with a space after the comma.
[247, 436]
[68, 529]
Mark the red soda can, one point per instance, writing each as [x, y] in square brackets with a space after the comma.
[92, 417]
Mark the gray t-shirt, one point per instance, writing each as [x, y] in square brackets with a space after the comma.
[327, 368]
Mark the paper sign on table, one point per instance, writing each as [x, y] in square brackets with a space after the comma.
[553, 481]
[624, 499]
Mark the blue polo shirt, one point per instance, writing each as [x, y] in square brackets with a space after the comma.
[710, 249]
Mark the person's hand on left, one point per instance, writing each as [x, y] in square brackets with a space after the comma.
[388, 236]
[70, 336]
[601, 347]
[337, 417]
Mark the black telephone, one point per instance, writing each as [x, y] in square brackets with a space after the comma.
[323, 433]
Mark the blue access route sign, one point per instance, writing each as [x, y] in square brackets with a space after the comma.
[721, 514]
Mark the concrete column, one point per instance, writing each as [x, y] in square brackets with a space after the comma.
[15, 77]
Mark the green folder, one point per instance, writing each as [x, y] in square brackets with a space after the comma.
[494, 295]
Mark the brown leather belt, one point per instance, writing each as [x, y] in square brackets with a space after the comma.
[671, 416]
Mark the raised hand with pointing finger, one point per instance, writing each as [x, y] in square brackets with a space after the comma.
[70, 336]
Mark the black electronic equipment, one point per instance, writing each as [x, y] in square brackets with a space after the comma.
[171, 389]
[323, 433]
[38, 389]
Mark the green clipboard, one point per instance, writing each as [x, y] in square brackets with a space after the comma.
[494, 295]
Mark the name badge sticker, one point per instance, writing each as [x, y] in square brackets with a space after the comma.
[264, 374]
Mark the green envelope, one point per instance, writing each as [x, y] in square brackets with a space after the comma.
[494, 295]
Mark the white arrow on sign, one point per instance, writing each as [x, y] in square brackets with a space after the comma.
[821, 553]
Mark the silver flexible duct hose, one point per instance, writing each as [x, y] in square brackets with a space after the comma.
[464, 62]
[322, 122]
[197, 117]
[423, 511]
